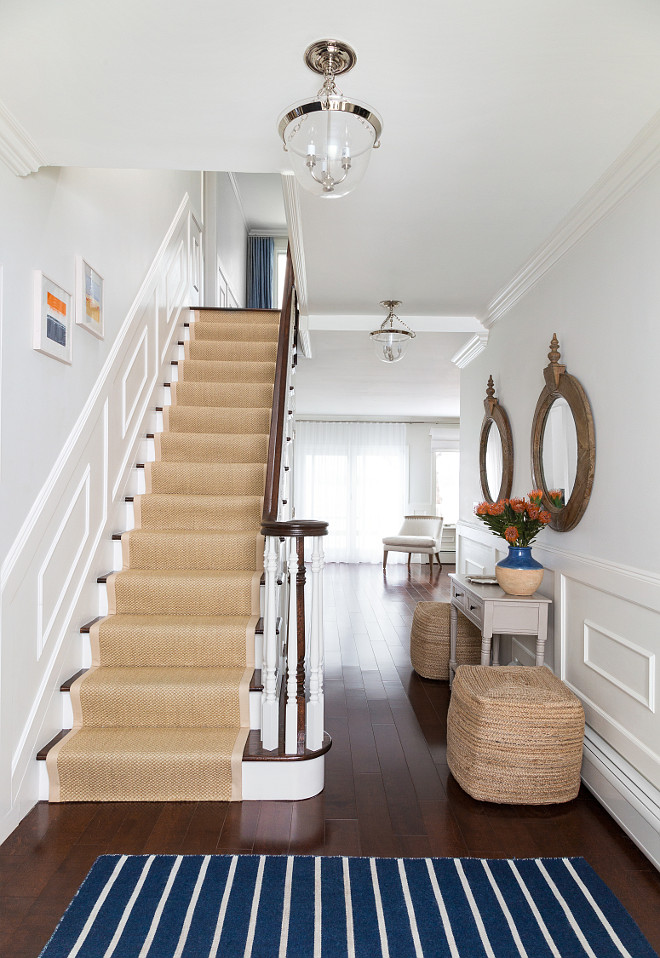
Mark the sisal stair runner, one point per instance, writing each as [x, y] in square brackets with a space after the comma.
[163, 713]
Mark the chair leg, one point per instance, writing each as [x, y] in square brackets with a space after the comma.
[409, 558]
[437, 559]
[384, 559]
[430, 563]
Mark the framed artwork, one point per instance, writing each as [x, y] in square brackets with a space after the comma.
[89, 298]
[52, 319]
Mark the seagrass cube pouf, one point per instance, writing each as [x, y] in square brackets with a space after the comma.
[429, 640]
[514, 735]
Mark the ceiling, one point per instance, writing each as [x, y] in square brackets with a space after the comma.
[497, 119]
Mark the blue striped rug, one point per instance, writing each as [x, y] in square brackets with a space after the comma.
[168, 906]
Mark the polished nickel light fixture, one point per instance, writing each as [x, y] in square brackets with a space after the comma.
[330, 139]
[391, 341]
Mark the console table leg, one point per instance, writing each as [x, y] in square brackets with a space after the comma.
[485, 649]
[496, 650]
[453, 634]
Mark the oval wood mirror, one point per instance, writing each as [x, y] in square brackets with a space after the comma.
[495, 449]
[563, 444]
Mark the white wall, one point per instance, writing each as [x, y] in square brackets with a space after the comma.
[70, 434]
[116, 220]
[226, 238]
[602, 298]
[421, 494]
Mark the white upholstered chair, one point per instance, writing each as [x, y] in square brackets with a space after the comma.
[418, 534]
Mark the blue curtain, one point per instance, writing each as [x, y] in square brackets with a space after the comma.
[260, 272]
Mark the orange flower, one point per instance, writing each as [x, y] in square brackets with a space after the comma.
[511, 534]
[518, 505]
[536, 495]
[545, 517]
[496, 509]
[482, 509]
[533, 510]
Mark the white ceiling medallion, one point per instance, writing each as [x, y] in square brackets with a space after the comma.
[330, 139]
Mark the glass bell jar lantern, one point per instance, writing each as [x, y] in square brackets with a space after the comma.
[390, 341]
[330, 139]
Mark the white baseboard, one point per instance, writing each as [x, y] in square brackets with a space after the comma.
[630, 799]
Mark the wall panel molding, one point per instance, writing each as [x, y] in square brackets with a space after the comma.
[133, 381]
[62, 557]
[593, 645]
[605, 636]
[47, 580]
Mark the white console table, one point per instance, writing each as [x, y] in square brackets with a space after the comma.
[494, 612]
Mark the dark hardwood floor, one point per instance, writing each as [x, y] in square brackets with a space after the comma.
[388, 790]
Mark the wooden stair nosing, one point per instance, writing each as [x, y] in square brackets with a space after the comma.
[67, 683]
[43, 752]
[254, 751]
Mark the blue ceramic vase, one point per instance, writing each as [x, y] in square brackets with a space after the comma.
[519, 573]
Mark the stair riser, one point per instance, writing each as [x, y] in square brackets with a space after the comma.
[170, 552]
[227, 332]
[144, 595]
[199, 370]
[67, 722]
[222, 395]
[123, 710]
[168, 479]
[243, 352]
[201, 447]
[210, 419]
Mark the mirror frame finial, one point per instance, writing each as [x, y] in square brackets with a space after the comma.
[560, 384]
[495, 414]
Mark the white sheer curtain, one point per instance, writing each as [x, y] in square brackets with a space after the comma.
[353, 475]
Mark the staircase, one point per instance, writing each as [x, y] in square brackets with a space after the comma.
[163, 713]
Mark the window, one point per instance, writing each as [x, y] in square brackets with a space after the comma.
[352, 475]
[446, 484]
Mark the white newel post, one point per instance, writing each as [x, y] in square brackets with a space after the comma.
[269, 706]
[315, 703]
[291, 709]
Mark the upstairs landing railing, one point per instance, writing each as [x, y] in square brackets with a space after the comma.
[292, 655]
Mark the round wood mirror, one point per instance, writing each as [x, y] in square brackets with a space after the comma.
[495, 449]
[563, 445]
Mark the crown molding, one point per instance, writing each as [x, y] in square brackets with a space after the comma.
[294, 222]
[471, 350]
[640, 158]
[17, 150]
[239, 199]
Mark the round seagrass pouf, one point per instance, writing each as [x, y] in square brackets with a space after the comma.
[514, 735]
[429, 640]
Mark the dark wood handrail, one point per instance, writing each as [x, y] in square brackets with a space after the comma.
[278, 416]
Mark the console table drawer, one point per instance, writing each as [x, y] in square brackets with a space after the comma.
[516, 617]
[474, 609]
[457, 596]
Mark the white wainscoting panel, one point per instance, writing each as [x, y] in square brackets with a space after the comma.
[609, 647]
[132, 386]
[134, 380]
[176, 282]
[47, 581]
[62, 559]
[625, 664]
[605, 632]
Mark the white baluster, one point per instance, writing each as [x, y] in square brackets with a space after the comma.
[315, 703]
[291, 710]
[269, 704]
